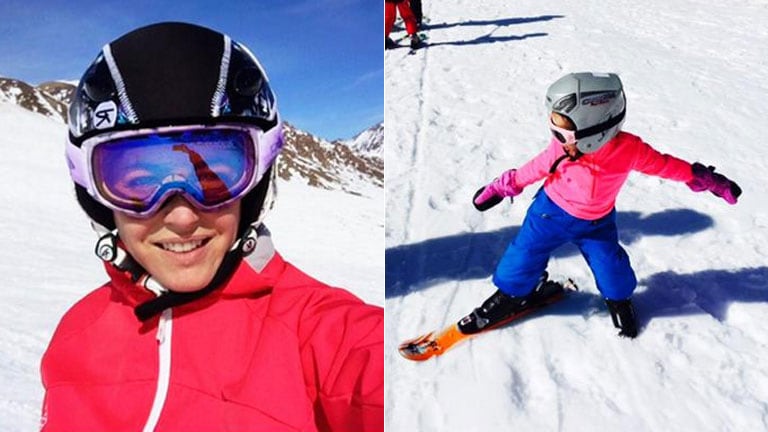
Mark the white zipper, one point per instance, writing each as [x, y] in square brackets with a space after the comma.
[164, 328]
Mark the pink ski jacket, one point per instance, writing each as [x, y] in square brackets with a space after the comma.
[587, 188]
[272, 350]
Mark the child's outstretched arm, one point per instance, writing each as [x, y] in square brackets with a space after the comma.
[698, 177]
[494, 192]
[512, 182]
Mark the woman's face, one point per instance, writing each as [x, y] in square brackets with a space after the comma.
[180, 245]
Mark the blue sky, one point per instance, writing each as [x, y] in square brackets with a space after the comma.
[324, 58]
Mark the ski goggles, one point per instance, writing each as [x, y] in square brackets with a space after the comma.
[565, 136]
[136, 171]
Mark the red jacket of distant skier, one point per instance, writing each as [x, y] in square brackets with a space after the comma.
[273, 350]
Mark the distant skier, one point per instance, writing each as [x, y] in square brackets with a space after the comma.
[584, 167]
[410, 22]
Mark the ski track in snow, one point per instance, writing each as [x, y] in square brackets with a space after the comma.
[469, 106]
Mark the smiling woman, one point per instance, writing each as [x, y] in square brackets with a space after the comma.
[174, 134]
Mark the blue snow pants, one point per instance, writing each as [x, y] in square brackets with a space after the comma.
[545, 228]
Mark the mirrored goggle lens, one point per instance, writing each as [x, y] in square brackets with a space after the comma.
[211, 166]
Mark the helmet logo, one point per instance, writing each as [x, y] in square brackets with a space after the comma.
[105, 115]
[598, 99]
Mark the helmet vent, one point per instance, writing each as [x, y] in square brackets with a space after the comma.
[565, 104]
[248, 81]
[98, 84]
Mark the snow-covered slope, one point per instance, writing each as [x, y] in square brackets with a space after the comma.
[47, 258]
[470, 106]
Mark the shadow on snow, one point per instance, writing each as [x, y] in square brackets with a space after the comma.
[669, 294]
[503, 22]
[666, 294]
[474, 255]
[710, 291]
[488, 38]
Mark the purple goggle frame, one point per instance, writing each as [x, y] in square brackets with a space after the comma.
[135, 172]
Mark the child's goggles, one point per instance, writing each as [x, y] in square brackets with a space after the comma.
[136, 171]
[565, 136]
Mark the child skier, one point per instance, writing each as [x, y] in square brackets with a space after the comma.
[585, 166]
[173, 136]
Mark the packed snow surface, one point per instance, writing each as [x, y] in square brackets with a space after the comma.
[470, 106]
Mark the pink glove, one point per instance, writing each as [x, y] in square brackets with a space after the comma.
[705, 178]
[492, 194]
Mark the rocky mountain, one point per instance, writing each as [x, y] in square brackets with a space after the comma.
[330, 165]
[352, 165]
[369, 142]
[38, 99]
[62, 91]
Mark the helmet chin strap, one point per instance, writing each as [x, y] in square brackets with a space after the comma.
[109, 250]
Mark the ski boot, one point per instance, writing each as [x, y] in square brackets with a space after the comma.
[500, 308]
[623, 316]
[415, 41]
[389, 43]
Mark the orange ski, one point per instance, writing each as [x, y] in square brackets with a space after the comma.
[435, 343]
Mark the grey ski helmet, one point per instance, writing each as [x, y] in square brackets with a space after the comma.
[594, 102]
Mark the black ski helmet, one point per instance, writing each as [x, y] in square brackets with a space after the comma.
[174, 74]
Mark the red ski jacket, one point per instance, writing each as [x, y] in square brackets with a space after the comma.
[272, 350]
